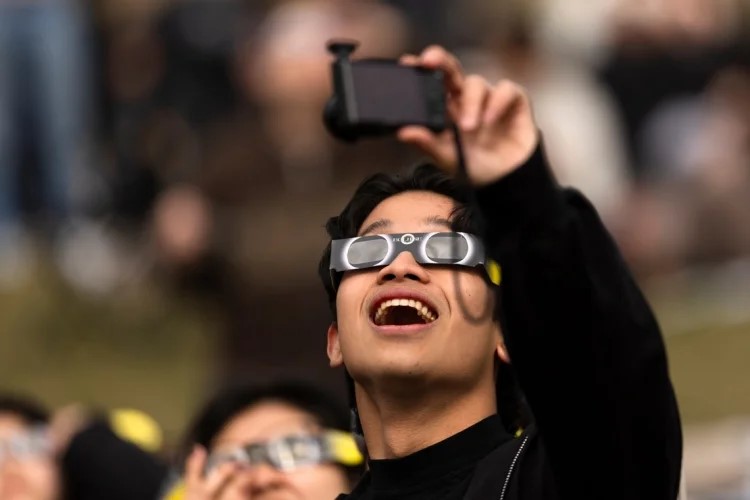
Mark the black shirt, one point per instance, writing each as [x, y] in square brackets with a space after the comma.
[439, 472]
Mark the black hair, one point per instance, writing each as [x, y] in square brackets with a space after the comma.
[26, 408]
[465, 217]
[327, 410]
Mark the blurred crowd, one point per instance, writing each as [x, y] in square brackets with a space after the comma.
[247, 441]
[180, 142]
[163, 130]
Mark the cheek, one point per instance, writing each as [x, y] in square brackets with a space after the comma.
[350, 296]
[43, 478]
[320, 481]
[471, 298]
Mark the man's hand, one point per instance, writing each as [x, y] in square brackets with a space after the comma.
[495, 122]
[65, 424]
[211, 487]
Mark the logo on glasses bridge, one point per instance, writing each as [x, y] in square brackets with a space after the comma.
[407, 239]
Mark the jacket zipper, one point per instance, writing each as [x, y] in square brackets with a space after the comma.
[513, 466]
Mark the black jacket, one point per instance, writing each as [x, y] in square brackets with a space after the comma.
[588, 355]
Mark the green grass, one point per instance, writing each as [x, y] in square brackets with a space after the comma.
[141, 349]
[711, 373]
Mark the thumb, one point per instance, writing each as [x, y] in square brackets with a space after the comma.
[438, 146]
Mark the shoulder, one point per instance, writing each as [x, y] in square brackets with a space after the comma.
[520, 461]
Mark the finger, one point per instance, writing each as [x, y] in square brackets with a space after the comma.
[437, 146]
[473, 100]
[194, 466]
[219, 478]
[502, 99]
[409, 60]
[240, 484]
[436, 57]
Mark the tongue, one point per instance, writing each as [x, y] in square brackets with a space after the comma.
[403, 315]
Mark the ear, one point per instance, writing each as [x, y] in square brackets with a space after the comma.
[334, 348]
[502, 352]
[500, 348]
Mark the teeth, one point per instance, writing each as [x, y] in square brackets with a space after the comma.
[423, 311]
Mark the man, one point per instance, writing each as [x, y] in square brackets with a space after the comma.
[27, 468]
[284, 440]
[71, 456]
[426, 337]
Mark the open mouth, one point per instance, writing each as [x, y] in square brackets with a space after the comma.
[399, 312]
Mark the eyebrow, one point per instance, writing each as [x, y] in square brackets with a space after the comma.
[433, 220]
[378, 224]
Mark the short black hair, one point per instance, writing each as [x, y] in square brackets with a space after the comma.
[325, 408]
[28, 409]
[377, 188]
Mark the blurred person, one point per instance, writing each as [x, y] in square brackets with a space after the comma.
[282, 440]
[284, 69]
[75, 454]
[578, 29]
[696, 208]
[671, 23]
[28, 469]
[582, 125]
[166, 84]
[426, 323]
[663, 56]
[660, 50]
[182, 226]
[45, 97]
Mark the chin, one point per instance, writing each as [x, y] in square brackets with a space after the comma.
[403, 370]
[391, 369]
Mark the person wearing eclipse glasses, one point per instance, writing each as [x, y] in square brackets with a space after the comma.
[76, 453]
[285, 440]
[495, 343]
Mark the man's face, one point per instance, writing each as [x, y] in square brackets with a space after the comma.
[443, 332]
[24, 476]
[267, 421]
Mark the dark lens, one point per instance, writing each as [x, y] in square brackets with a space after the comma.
[367, 251]
[446, 248]
[257, 453]
[305, 449]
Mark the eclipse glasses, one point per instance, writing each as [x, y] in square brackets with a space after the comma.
[26, 445]
[438, 248]
[291, 452]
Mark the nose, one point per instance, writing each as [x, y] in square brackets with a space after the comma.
[403, 268]
[264, 478]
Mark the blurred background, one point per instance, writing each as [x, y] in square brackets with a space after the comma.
[165, 178]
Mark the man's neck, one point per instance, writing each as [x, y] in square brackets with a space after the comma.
[397, 425]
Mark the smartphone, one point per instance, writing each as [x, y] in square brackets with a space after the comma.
[376, 97]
